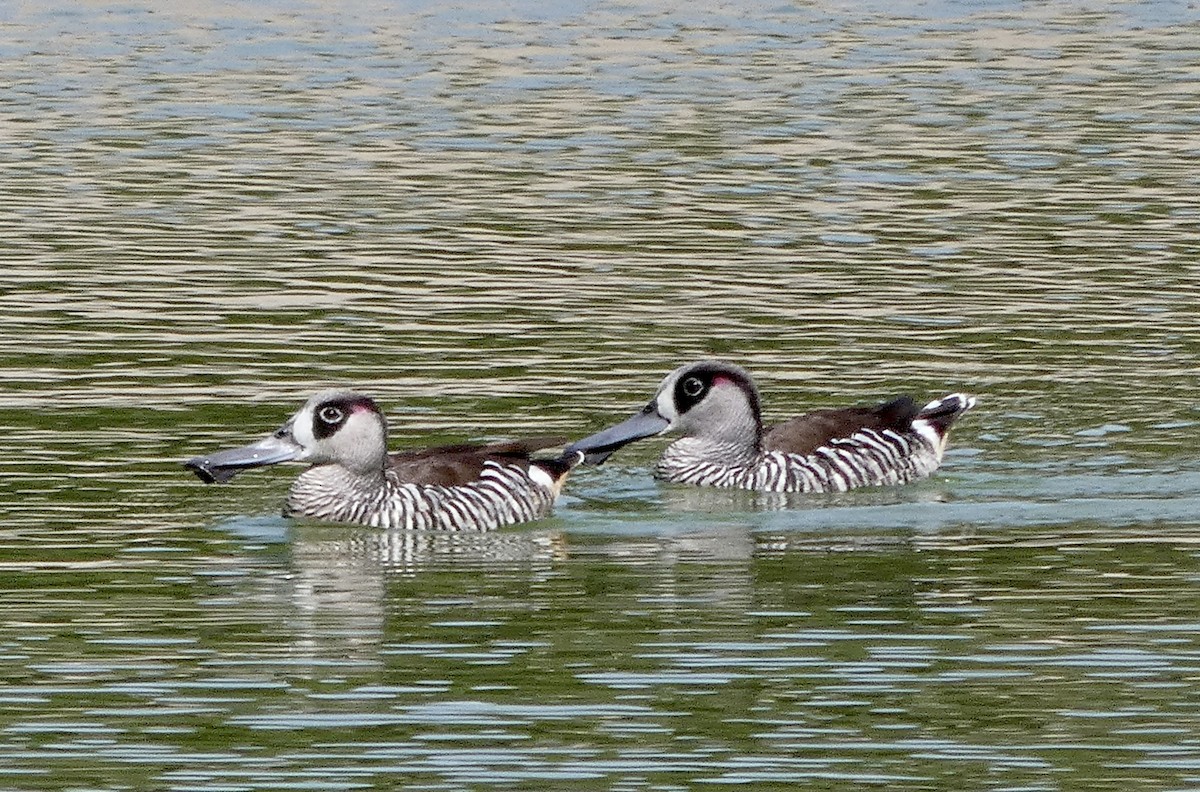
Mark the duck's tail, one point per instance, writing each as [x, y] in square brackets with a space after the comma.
[940, 414]
[557, 470]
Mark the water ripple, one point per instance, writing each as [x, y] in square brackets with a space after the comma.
[506, 219]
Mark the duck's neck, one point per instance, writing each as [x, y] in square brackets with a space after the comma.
[693, 460]
[333, 492]
[714, 452]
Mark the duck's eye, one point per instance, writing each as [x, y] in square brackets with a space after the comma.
[692, 386]
[331, 415]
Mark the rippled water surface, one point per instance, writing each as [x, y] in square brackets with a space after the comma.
[514, 218]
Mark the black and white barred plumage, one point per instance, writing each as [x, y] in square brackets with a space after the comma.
[502, 494]
[352, 478]
[866, 458]
[716, 407]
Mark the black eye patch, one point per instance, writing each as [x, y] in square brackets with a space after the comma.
[328, 418]
[691, 390]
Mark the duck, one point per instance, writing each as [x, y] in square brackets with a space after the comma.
[351, 478]
[715, 407]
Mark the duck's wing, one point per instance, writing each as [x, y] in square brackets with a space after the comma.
[457, 465]
[807, 433]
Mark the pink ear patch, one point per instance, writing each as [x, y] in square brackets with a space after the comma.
[363, 405]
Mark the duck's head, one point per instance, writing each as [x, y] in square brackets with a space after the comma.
[709, 399]
[332, 428]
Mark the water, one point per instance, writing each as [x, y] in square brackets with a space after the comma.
[515, 219]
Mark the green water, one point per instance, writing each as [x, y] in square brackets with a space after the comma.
[505, 220]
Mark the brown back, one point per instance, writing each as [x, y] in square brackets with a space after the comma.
[809, 432]
[456, 465]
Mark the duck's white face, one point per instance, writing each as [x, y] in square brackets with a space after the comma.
[709, 399]
[332, 428]
[339, 428]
